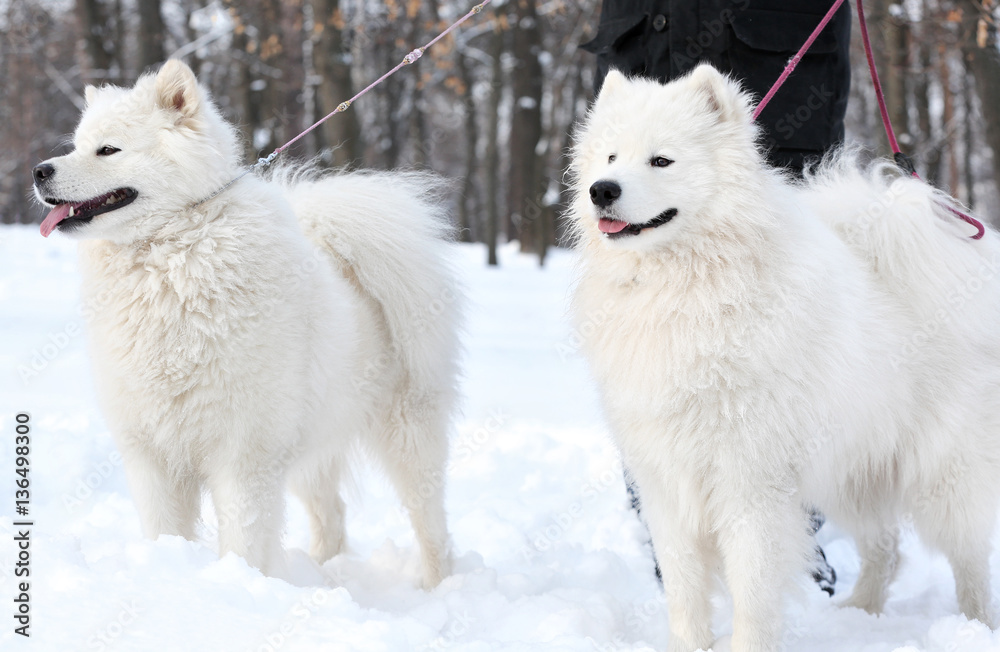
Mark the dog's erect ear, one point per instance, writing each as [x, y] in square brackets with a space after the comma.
[177, 89]
[724, 96]
[613, 83]
[89, 93]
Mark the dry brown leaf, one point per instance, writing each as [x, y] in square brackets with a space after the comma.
[337, 19]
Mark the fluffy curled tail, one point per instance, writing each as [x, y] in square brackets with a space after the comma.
[390, 233]
[915, 245]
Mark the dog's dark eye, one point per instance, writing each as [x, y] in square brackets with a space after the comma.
[611, 159]
[660, 162]
[107, 150]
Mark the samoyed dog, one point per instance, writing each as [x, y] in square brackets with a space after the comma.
[767, 345]
[254, 339]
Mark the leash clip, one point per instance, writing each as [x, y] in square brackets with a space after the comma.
[905, 163]
[264, 162]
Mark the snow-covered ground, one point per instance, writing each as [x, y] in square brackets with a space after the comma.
[549, 557]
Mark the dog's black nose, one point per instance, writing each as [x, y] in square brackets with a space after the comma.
[43, 172]
[604, 193]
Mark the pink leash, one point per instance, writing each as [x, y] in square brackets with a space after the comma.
[407, 60]
[410, 58]
[794, 61]
[902, 160]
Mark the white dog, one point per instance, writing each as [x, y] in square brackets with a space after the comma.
[249, 341]
[772, 344]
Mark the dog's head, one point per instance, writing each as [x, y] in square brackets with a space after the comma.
[140, 156]
[651, 158]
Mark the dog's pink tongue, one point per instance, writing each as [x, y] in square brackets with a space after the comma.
[55, 216]
[611, 226]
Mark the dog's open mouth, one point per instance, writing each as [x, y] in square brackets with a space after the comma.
[69, 215]
[619, 229]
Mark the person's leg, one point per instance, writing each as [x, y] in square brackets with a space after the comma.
[823, 573]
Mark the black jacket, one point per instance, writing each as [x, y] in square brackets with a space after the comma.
[750, 39]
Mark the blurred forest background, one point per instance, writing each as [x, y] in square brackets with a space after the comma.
[491, 107]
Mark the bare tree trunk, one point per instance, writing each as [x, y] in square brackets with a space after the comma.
[420, 121]
[930, 152]
[190, 34]
[979, 45]
[890, 50]
[333, 66]
[558, 227]
[151, 33]
[492, 169]
[969, 177]
[395, 94]
[467, 204]
[94, 25]
[526, 192]
[264, 101]
[898, 40]
[8, 208]
[416, 135]
[948, 117]
[418, 130]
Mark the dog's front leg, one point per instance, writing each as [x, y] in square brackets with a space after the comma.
[249, 505]
[682, 550]
[763, 538]
[168, 499]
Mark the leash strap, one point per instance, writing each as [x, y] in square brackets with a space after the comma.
[879, 94]
[794, 61]
[902, 160]
[410, 58]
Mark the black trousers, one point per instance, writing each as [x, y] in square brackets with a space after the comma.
[751, 40]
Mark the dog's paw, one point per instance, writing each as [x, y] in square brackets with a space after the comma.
[823, 573]
[723, 644]
[863, 601]
[324, 548]
[435, 569]
[678, 644]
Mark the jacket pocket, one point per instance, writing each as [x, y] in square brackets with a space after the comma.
[782, 31]
[613, 34]
[805, 113]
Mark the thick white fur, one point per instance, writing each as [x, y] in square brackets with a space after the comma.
[778, 344]
[249, 342]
